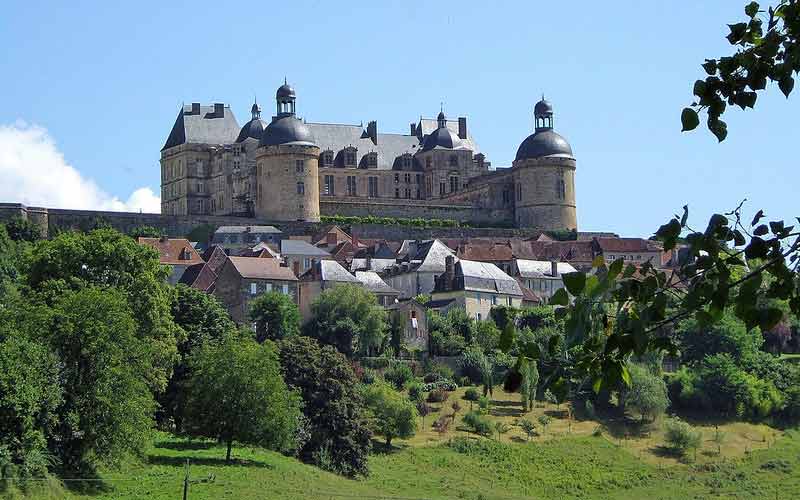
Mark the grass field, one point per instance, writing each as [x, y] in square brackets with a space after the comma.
[756, 462]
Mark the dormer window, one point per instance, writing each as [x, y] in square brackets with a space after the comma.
[372, 160]
[350, 156]
[405, 161]
[327, 158]
[453, 160]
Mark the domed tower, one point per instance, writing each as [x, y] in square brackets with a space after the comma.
[544, 177]
[287, 166]
[446, 160]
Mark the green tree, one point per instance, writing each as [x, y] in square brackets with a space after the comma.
[108, 259]
[544, 421]
[275, 316]
[348, 318]
[236, 393]
[728, 335]
[332, 405]
[29, 401]
[393, 415]
[107, 408]
[646, 394]
[530, 382]
[487, 335]
[501, 428]
[503, 315]
[767, 46]
[23, 230]
[203, 320]
[528, 427]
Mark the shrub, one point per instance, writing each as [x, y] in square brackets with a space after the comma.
[472, 363]
[545, 420]
[437, 396]
[528, 427]
[483, 403]
[442, 424]
[471, 394]
[647, 394]
[368, 376]
[444, 385]
[415, 392]
[478, 423]
[398, 375]
[680, 436]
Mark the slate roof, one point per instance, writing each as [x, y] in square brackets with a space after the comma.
[197, 124]
[199, 277]
[546, 142]
[542, 268]
[173, 251]
[300, 247]
[569, 251]
[265, 269]
[431, 255]
[426, 126]
[485, 277]
[374, 283]
[215, 257]
[329, 270]
[378, 265]
[335, 137]
[248, 229]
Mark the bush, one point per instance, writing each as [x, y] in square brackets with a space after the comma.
[369, 376]
[437, 396]
[680, 436]
[483, 403]
[415, 392]
[647, 394]
[444, 385]
[478, 423]
[472, 394]
[439, 372]
[472, 363]
[528, 427]
[398, 375]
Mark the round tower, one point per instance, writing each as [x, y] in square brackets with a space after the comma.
[287, 166]
[544, 177]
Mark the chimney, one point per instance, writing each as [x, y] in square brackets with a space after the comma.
[219, 110]
[372, 131]
[449, 273]
[195, 108]
[554, 268]
[462, 127]
[413, 129]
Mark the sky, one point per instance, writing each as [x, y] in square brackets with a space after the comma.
[90, 91]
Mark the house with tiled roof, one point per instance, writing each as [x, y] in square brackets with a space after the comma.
[241, 279]
[417, 267]
[542, 277]
[177, 253]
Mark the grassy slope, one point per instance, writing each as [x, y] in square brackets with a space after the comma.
[570, 467]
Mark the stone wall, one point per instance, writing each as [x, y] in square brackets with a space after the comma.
[56, 219]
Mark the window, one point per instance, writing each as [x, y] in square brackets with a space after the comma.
[351, 185]
[373, 187]
[407, 178]
[372, 160]
[428, 162]
[418, 193]
[508, 301]
[519, 192]
[406, 161]
[494, 300]
[299, 166]
[285, 289]
[478, 316]
[397, 178]
[442, 188]
[328, 187]
[561, 188]
[453, 184]
[397, 192]
[253, 289]
[327, 158]
[408, 193]
[307, 262]
[301, 188]
[419, 179]
[453, 160]
[350, 156]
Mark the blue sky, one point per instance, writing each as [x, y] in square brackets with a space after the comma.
[105, 81]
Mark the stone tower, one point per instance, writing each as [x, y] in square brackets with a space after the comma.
[544, 177]
[287, 166]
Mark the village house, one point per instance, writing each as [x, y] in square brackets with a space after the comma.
[420, 263]
[477, 287]
[543, 278]
[235, 237]
[241, 279]
[177, 253]
[385, 294]
[412, 318]
[322, 275]
[300, 255]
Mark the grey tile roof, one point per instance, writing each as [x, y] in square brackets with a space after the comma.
[432, 255]
[300, 247]
[330, 270]
[374, 264]
[336, 137]
[201, 125]
[542, 268]
[374, 283]
[247, 229]
[486, 277]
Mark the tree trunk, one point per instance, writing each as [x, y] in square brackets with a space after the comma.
[228, 454]
[388, 441]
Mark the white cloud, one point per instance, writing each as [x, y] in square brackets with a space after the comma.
[34, 172]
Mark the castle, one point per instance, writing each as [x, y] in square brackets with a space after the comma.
[293, 170]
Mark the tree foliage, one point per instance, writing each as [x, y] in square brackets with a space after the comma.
[236, 393]
[530, 382]
[767, 49]
[348, 318]
[646, 395]
[333, 406]
[275, 315]
[393, 414]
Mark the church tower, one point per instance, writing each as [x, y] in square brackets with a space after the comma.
[287, 166]
[544, 177]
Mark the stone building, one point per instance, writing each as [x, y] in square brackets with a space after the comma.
[290, 169]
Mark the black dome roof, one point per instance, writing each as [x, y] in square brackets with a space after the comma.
[442, 137]
[543, 107]
[543, 143]
[287, 130]
[254, 128]
[285, 90]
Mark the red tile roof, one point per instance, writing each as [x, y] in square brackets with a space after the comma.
[173, 251]
[491, 252]
[265, 269]
[627, 245]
